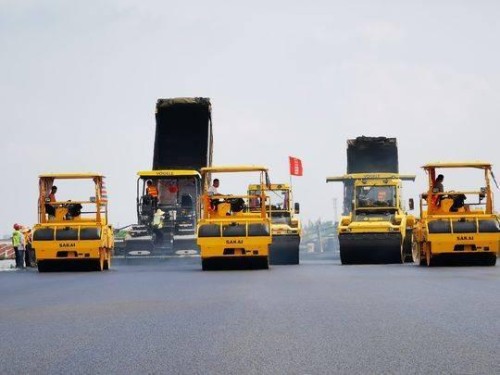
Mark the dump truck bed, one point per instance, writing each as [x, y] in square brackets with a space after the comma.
[369, 155]
[183, 137]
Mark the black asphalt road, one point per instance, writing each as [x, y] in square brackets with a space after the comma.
[315, 318]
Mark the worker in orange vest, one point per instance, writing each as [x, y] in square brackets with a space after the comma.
[152, 192]
[49, 208]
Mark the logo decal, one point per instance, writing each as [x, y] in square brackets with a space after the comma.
[231, 242]
[71, 244]
[465, 238]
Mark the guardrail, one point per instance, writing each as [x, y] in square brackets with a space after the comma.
[6, 251]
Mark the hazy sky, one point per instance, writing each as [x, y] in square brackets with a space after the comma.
[79, 81]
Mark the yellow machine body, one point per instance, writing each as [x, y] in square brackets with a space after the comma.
[377, 230]
[229, 234]
[286, 226]
[451, 231]
[77, 234]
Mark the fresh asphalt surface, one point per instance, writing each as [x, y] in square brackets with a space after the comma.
[315, 318]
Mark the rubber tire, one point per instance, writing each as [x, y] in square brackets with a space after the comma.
[429, 259]
[107, 261]
[490, 261]
[415, 252]
[99, 264]
[407, 252]
[43, 266]
[265, 264]
[402, 254]
[205, 266]
[422, 262]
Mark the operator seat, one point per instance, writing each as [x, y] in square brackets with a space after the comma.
[187, 202]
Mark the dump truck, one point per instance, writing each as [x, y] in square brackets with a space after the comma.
[377, 230]
[73, 234]
[167, 218]
[457, 226]
[372, 166]
[285, 224]
[229, 233]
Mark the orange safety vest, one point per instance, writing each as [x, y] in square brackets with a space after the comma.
[152, 191]
[208, 203]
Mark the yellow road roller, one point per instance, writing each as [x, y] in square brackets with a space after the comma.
[286, 227]
[229, 234]
[377, 230]
[73, 234]
[457, 225]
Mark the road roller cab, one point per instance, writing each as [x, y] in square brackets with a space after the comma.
[377, 230]
[73, 234]
[285, 224]
[229, 233]
[457, 224]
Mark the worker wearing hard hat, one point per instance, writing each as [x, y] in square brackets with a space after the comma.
[18, 245]
[29, 254]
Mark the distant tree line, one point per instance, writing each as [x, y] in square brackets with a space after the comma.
[319, 236]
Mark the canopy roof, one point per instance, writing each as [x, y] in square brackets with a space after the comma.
[270, 187]
[465, 164]
[169, 173]
[70, 175]
[372, 176]
[235, 168]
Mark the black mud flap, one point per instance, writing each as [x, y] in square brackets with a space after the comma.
[370, 248]
[284, 250]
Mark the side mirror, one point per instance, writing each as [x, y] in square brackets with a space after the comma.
[92, 199]
[296, 206]
[411, 204]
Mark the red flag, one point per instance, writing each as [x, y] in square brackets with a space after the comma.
[295, 166]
